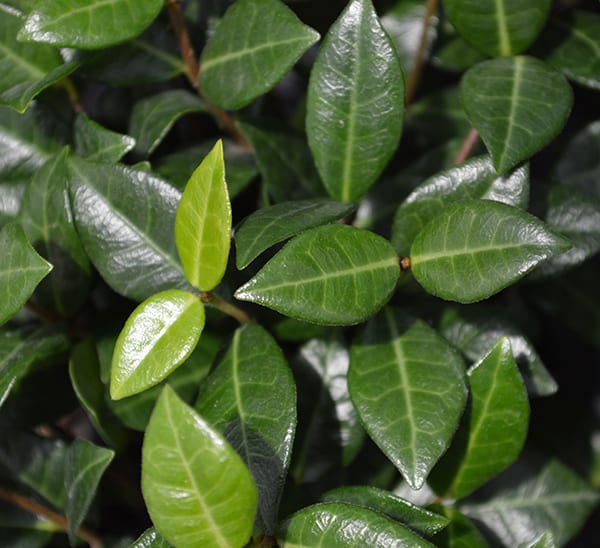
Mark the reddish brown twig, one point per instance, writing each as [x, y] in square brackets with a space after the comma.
[467, 146]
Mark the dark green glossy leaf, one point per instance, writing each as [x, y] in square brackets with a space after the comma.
[85, 464]
[203, 223]
[21, 273]
[518, 105]
[271, 225]
[455, 54]
[338, 525]
[460, 532]
[409, 388]
[497, 417]
[98, 144]
[47, 220]
[125, 220]
[475, 179]
[158, 337]
[251, 398]
[329, 275]
[355, 102]
[476, 248]
[421, 520]
[197, 489]
[498, 27]
[150, 538]
[152, 118]
[254, 46]
[60, 22]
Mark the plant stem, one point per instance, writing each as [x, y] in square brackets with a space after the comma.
[417, 69]
[73, 94]
[35, 508]
[467, 146]
[227, 308]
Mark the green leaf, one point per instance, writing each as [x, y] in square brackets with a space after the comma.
[20, 273]
[338, 525]
[98, 144]
[158, 336]
[409, 388]
[476, 248]
[85, 464]
[150, 538]
[251, 399]
[518, 105]
[47, 221]
[532, 497]
[197, 489]
[266, 227]
[454, 53]
[254, 46]
[332, 275]
[498, 417]
[355, 103]
[498, 27]
[153, 117]
[124, 218]
[460, 532]
[419, 519]
[106, 23]
[203, 223]
[545, 540]
[571, 44]
[474, 179]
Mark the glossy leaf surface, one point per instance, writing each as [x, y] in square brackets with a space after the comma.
[197, 489]
[518, 105]
[355, 102]
[497, 416]
[60, 22]
[271, 225]
[251, 399]
[158, 336]
[150, 538]
[476, 248]
[203, 223]
[328, 275]
[254, 46]
[498, 27]
[409, 388]
[474, 179]
[98, 144]
[21, 273]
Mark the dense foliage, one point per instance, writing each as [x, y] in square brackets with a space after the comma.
[299, 273]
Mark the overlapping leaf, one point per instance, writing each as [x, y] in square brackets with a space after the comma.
[98, 144]
[409, 388]
[476, 248]
[334, 274]
[355, 102]
[461, 532]
[150, 538]
[255, 45]
[518, 105]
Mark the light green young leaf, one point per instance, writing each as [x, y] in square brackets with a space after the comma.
[331, 275]
[60, 22]
[98, 144]
[518, 105]
[409, 388]
[477, 248]
[197, 489]
[254, 46]
[21, 271]
[355, 103]
[150, 538]
[158, 336]
[498, 27]
[250, 398]
[85, 464]
[271, 225]
[203, 223]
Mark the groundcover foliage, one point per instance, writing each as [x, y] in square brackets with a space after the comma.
[299, 273]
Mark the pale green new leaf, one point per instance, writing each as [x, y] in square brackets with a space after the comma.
[21, 270]
[98, 144]
[158, 336]
[197, 489]
[88, 24]
[331, 275]
[477, 248]
[203, 223]
[518, 105]
[409, 388]
[254, 46]
[355, 104]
